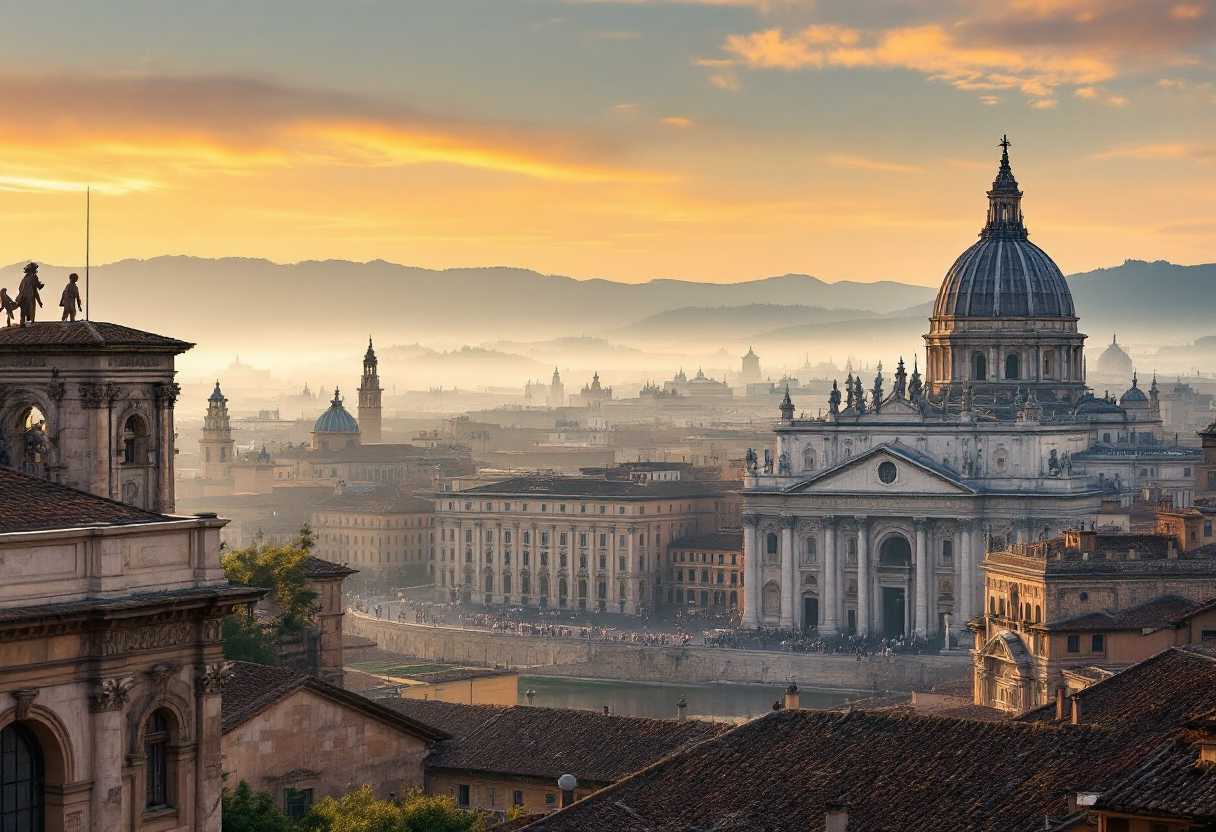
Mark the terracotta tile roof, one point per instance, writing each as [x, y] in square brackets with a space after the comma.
[1159, 612]
[30, 504]
[1172, 783]
[1170, 688]
[540, 486]
[379, 501]
[549, 742]
[315, 567]
[85, 335]
[894, 771]
[256, 687]
[449, 717]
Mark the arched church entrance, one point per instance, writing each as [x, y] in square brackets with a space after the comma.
[895, 558]
[22, 771]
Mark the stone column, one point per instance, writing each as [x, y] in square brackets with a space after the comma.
[963, 575]
[831, 597]
[107, 702]
[864, 578]
[789, 574]
[923, 568]
[210, 680]
[631, 569]
[751, 572]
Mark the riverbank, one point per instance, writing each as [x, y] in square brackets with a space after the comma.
[607, 660]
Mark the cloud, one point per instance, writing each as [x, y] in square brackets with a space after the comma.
[1202, 151]
[1033, 46]
[678, 121]
[869, 164]
[130, 131]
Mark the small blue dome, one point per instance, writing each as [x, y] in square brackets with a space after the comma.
[1134, 395]
[336, 419]
[216, 395]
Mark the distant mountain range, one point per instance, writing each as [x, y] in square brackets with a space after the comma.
[322, 304]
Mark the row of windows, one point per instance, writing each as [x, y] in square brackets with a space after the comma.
[561, 508]
[1097, 643]
[544, 559]
[389, 523]
[563, 538]
[702, 557]
[719, 577]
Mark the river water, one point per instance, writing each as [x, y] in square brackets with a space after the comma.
[659, 700]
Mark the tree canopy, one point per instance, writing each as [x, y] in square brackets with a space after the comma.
[360, 811]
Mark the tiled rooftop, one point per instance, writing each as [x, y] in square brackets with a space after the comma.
[724, 540]
[522, 487]
[315, 567]
[1155, 614]
[449, 717]
[84, 336]
[1172, 782]
[30, 504]
[550, 742]
[379, 501]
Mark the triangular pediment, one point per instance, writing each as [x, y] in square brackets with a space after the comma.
[866, 473]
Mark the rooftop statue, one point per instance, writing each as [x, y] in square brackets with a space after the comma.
[834, 400]
[9, 305]
[27, 293]
[70, 299]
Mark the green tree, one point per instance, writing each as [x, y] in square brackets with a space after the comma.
[290, 602]
[360, 811]
[245, 810]
[307, 539]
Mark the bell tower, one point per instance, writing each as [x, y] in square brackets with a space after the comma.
[369, 397]
[216, 447]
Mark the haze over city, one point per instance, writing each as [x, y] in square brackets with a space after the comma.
[598, 415]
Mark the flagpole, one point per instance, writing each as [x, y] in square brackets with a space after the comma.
[88, 222]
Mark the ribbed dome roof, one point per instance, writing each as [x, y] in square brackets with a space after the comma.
[1004, 275]
[216, 395]
[1114, 359]
[1134, 394]
[336, 419]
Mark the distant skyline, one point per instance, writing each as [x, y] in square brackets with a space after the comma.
[631, 140]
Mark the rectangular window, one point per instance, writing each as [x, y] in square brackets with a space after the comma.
[462, 795]
[603, 562]
[1074, 644]
[582, 509]
[603, 540]
[603, 509]
[563, 508]
[1097, 643]
[517, 798]
[621, 566]
[544, 538]
[582, 539]
[1207, 635]
[296, 803]
[561, 539]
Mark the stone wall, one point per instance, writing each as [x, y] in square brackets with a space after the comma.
[611, 660]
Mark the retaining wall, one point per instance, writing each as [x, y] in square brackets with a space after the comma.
[613, 660]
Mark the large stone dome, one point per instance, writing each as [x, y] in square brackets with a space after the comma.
[1004, 275]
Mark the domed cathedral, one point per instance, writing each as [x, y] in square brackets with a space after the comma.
[369, 397]
[1004, 320]
[335, 429]
[90, 405]
[873, 518]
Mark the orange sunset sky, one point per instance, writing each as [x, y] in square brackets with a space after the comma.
[713, 140]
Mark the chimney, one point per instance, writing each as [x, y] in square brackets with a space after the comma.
[836, 818]
[791, 697]
[605, 710]
[1061, 702]
[681, 708]
[1076, 711]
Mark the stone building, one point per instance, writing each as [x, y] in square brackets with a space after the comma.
[569, 542]
[880, 511]
[593, 395]
[557, 391]
[90, 405]
[110, 641]
[1061, 613]
[335, 429]
[302, 739]
[706, 570]
[1114, 364]
[386, 532]
[369, 397]
[1205, 468]
[750, 371]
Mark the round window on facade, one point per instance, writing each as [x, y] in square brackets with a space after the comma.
[887, 472]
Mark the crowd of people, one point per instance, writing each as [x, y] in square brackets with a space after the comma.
[657, 632]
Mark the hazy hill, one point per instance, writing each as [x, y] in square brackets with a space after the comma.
[1150, 301]
[208, 300]
[746, 321]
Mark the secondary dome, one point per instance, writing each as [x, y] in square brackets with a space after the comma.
[336, 419]
[1114, 361]
[1004, 275]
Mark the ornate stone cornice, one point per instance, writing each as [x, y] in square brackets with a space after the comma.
[787, 522]
[751, 520]
[166, 394]
[111, 694]
[213, 678]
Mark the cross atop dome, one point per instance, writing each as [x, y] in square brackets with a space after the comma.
[1005, 201]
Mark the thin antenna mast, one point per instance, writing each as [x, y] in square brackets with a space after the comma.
[88, 222]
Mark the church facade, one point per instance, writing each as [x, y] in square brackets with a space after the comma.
[874, 518]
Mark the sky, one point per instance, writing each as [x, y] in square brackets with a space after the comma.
[710, 140]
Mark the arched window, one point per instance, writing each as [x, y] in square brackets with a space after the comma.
[1038, 614]
[544, 586]
[808, 459]
[156, 750]
[21, 776]
[1013, 367]
[992, 605]
[601, 591]
[810, 551]
[489, 583]
[772, 599]
[563, 589]
[1049, 363]
[506, 584]
[135, 441]
[979, 367]
[582, 589]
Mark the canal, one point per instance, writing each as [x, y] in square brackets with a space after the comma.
[659, 700]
